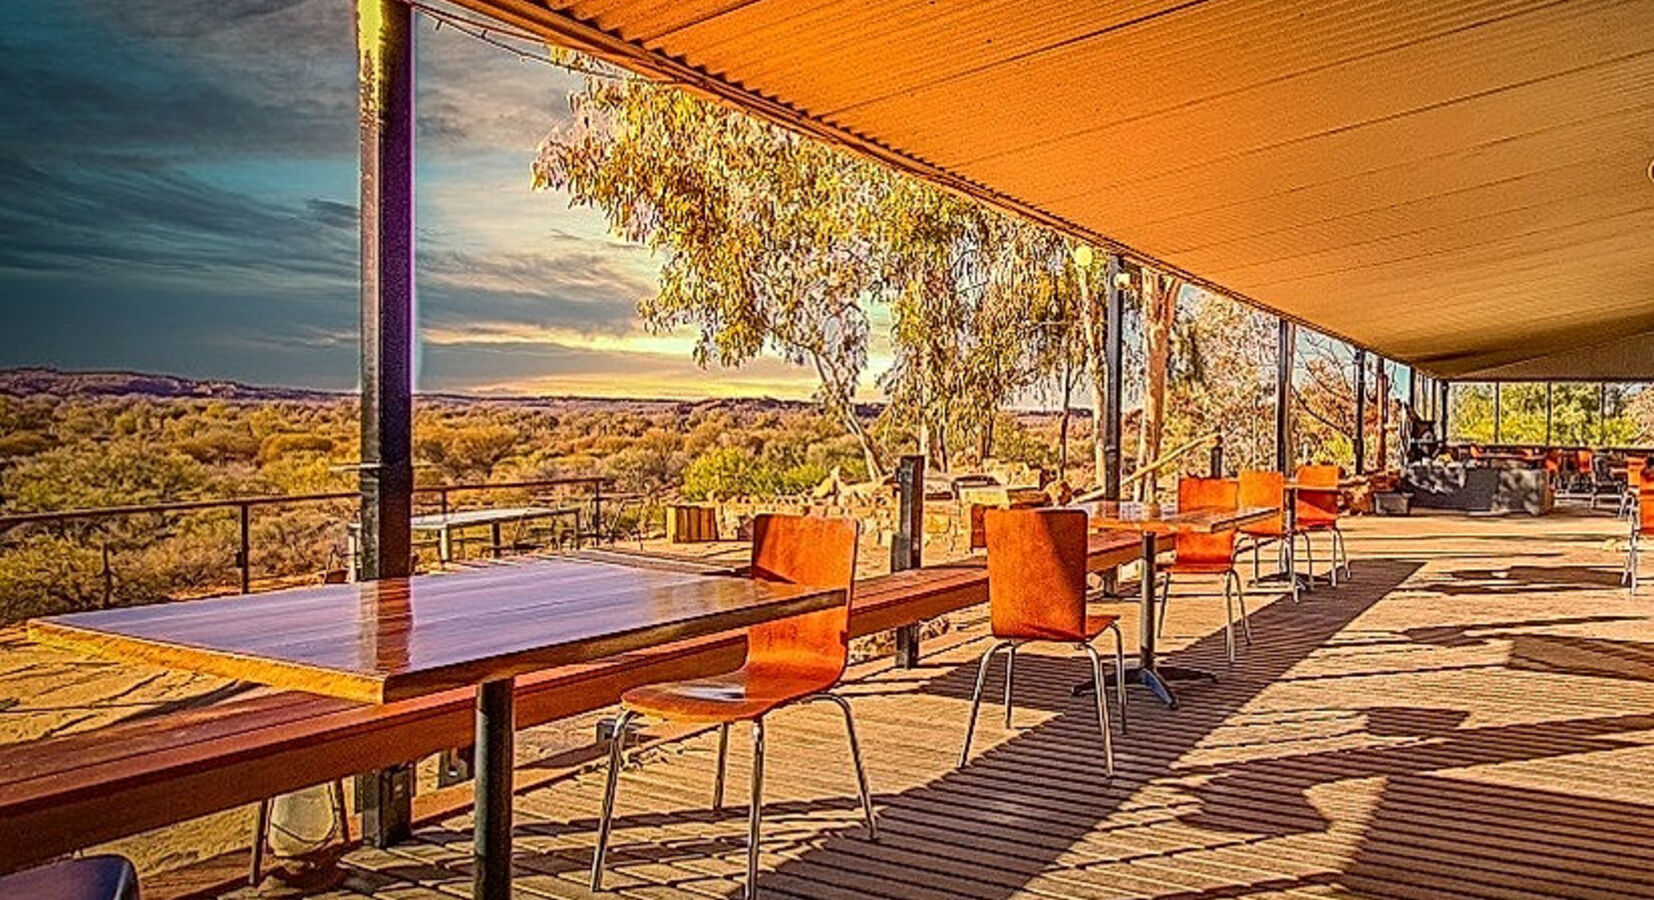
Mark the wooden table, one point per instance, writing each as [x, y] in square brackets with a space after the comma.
[1152, 520]
[443, 525]
[379, 641]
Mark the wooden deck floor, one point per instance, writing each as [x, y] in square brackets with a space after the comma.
[1473, 717]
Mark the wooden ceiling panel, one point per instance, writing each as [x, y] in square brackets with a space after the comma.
[1464, 186]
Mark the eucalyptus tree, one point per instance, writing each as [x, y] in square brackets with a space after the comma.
[765, 237]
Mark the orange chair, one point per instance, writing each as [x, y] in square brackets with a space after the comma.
[1208, 554]
[792, 660]
[1269, 489]
[1318, 512]
[1634, 466]
[1642, 526]
[1036, 592]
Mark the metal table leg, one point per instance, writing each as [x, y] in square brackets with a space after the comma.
[493, 755]
[1158, 679]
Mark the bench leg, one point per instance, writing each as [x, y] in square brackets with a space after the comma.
[907, 646]
[386, 800]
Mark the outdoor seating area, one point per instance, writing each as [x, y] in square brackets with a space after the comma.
[1457, 719]
[1256, 691]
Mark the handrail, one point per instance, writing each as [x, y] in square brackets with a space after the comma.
[12, 519]
[1167, 458]
[244, 507]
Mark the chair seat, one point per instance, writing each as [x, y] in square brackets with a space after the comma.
[744, 694]
[1095, 625]
[1316, 523]
[102, 877]
[1202, 567]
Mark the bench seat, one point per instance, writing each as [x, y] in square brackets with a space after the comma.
[66, 793]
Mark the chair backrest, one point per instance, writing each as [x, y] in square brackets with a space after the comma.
[1036, 573]
[1645, 507]
[1207, 493]
[1318, 506]
[1634, 472]
[812, 550]
[1263, 489]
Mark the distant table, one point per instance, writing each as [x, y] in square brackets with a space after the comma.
[1152, 520]
[443, 526]
[379, 641]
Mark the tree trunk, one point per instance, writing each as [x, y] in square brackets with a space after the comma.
[1159, 313]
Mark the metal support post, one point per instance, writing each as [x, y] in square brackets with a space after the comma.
[1283, 396]
[385, 73]
[1359, 441]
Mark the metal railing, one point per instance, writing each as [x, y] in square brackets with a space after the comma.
[244, 507]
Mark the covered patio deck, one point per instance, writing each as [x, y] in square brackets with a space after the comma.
[1472, 717]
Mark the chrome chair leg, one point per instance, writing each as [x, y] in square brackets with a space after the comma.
[1309, 560]
[1102, 706]
[855, 757]
[1120, 672]
[755, 820]
[723, 764]
[976, 699]
[1010, 666]
[1228, 620]
[617, 746]
[1633, 562]
[1240, 601]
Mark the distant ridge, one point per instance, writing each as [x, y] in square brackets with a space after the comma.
[37, 380]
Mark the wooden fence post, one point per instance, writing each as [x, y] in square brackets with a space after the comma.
[906, 545]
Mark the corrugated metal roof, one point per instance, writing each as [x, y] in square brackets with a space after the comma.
[1462, 186]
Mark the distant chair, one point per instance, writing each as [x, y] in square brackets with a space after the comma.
[1642, 526]
[1268, 489]
[799, 659]
[1634, 466]
[1318, 513]
[1036, 592]
[1209, 554]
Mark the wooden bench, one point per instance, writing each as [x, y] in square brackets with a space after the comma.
[67, 793]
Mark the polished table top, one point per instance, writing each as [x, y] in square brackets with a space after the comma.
[1166, 519]
[397, 638]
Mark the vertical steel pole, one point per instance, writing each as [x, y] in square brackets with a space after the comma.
[244, 559]
[1498, 413]
[906, 546]
[1360, 436]
[1383, 414]
[1443, 392]
[1548, 398]
[495, 743]
[385, 107]
[1602, 414]
[1283, 396]
[1115, 360]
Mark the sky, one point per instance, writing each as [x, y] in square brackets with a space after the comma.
[178, 195]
